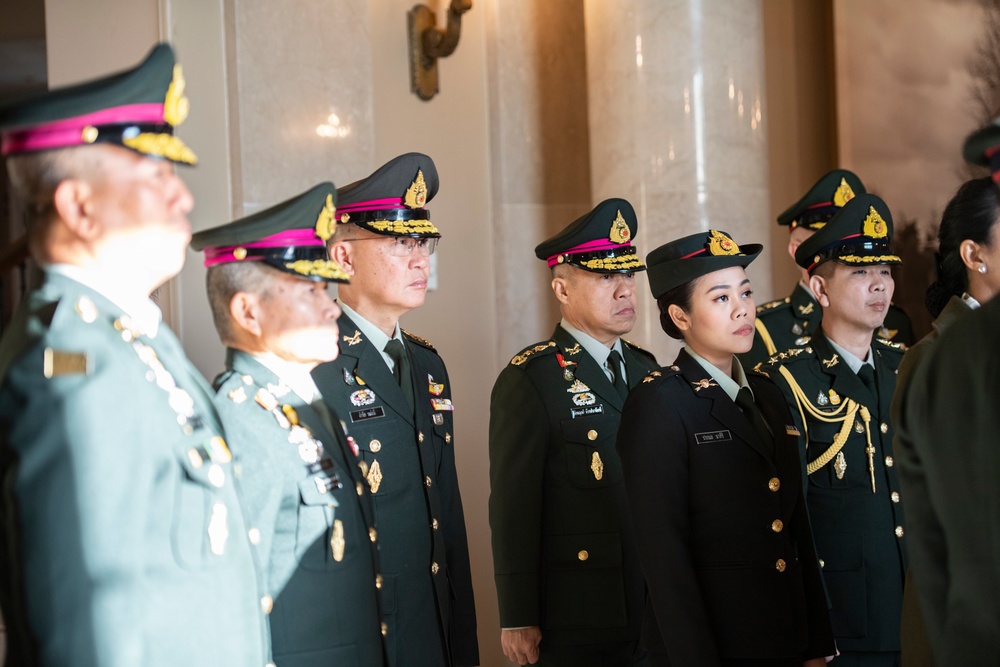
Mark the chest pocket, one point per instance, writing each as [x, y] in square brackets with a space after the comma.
[591, 459]
[200, 530]
[319, 540]
[848, 468]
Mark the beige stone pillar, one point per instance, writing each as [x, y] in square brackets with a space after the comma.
[676, 95]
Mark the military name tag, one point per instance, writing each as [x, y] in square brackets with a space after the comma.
[712, 436]
[57, 362]
[580, 412]
[368, 413]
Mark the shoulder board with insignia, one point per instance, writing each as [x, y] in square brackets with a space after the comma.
[888, 343]
[418, 340]
[639, 349]
[659, 374]
[771, 305]
[533, 350]
[791, 354]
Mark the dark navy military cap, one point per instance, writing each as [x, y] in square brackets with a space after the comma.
[822, 201]
[982, 147]
[290, 236]
[392, 200]
[678, 262]
[859, 234]
[137, 109]
[599, 241]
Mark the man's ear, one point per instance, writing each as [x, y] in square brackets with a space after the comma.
[74, 205]
[681, 319]
[341, 253]
[820, 289]
[244, 308]
[560, 287]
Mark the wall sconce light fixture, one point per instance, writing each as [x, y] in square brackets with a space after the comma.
[428, 43]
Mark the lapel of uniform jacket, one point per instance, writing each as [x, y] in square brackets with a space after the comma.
[360, 358]
[636, 366]
[587, 369]
[806, 309]
[724, 408]
[886, 375]
[845, 381]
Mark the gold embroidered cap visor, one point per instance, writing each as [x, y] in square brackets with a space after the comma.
[860, 234]
[683, 260]
[391, 201]
[136, 109]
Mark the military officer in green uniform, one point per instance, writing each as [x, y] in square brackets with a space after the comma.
[947, 439]
[123, 540]
[567, 573]
[785, 323]
[839, 387]
[303, 490]
[393, 391]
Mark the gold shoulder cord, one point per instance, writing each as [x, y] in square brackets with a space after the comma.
[765, 336]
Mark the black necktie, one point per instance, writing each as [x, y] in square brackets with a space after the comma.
[867, 376]
[615, 362]
[401, 369]
[744, 399]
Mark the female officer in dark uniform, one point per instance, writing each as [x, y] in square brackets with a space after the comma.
[714, 481]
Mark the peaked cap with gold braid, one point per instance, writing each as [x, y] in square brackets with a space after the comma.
[860, 234]
[290, 236]
[392, 200]
[827, 196]
[599, 241]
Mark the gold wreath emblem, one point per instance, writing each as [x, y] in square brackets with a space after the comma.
[325, 222]
[720, 244]
[843, 194]
[620, 233]
[416, 194]
[176, 106]
[874, 226]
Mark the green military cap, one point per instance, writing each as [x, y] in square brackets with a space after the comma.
[137, 109]
[860, 234]
[822, 201]
[391, 201]
[599, 241]
[983, 147]
[678, 262]
[290, 236]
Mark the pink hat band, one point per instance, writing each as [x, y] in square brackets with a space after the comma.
[589, 246]
[292, 238]
[71, 131]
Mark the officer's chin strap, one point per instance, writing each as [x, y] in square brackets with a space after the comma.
[845, 415]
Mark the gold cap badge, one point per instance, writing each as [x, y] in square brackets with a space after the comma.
[720, 244]
[843, 194]
[620, 233]
[874, 226]
[416, 194]
[325, 221]
[176, 106]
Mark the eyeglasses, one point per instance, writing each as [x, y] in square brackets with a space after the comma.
[403, 246]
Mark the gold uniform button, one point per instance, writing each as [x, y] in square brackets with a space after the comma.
[420, 436]
[895, 496]
[780, 565]
[195, 458]
[374, 446]
[447, 438]
[378, 581]
[822, 563]
[434, 568]
[774, 484]
[360, 488]
[883, 427]
[372, 534]
[216, 476]
[267, 604]
[583, 555]
[777, 525]
[434, 524]
[385, 629]
[428, 482]
[254, 536]
[899, 531]
[591, 434]
[888, 462]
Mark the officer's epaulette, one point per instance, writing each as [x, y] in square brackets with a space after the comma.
[791, 354]
[547, 347]
[659, 374]
[646, 353]
[771, 305]
[899, 347]
[419, 341]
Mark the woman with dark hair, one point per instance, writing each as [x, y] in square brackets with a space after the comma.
[714, 482]
[968, 266]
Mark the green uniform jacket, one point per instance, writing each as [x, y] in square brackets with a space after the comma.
[786, 323]
[721, 523]
[916, 644]
[410, 462]
[947, 433]
[123, 540]
[303, 493]
[858, 533]
[564, 552]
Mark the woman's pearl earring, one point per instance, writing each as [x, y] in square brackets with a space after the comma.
[982, 269]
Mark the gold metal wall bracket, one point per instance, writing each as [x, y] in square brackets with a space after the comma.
[428, 43]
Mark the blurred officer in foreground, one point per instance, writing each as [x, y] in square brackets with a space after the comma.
[839, 388]
[567, 573]
[785, 323]
[393, 391]
[948, 425]
[123, 541]
[303, 490]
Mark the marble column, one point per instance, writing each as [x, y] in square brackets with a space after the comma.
[676, 96]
